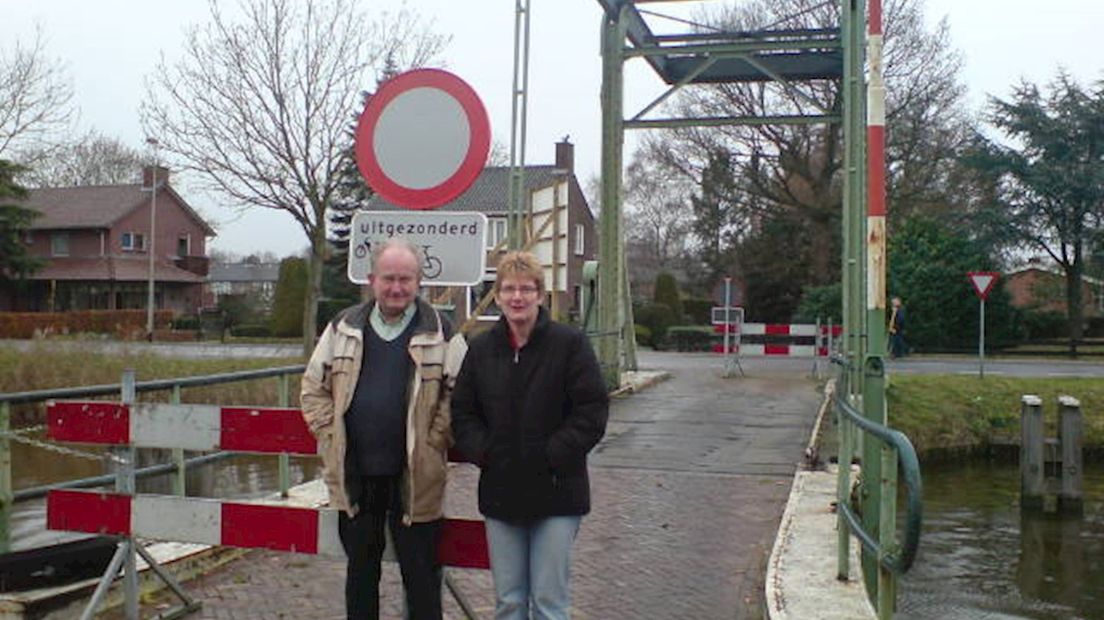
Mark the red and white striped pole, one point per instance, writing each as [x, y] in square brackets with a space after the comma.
[875, 167]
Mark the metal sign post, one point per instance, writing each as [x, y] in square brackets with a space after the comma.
[727, 326]
[982, 281]
[981, 339]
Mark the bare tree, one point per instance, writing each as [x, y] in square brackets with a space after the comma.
[499, 155]
[658, 218]
[92, 159]
[35, 99]
[259, 106]
[796, 169]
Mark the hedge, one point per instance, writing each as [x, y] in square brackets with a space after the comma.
[120, 323]
[691, 337]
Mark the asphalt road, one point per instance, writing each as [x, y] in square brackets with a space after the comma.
[1016, 367]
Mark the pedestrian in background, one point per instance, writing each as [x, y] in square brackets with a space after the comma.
[376, 395]
[897, 345]
[529, 404]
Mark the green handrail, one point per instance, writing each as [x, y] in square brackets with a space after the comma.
[8, 496]
[895, 558]
[150, 386]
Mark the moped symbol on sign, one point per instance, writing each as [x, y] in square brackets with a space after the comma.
[452, 243]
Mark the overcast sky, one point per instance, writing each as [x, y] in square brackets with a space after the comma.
[109, 46]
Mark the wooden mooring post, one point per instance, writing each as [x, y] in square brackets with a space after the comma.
[1067, 459]
[1070, 428]
[1032, 468]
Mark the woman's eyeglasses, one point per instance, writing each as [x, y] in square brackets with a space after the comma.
[510, 291]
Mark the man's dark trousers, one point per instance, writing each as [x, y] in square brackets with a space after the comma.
[416, 547]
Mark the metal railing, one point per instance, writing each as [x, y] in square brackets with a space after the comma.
[179, 465]
[894, 556]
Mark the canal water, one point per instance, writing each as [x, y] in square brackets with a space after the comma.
[238, 476]
[980, 558]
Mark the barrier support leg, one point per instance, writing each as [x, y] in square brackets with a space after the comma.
[105, 582]
[189, 603]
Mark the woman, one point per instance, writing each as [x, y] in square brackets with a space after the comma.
[528, 406]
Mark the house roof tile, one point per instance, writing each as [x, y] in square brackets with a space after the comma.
[117, 268]
[490, 193]
[93, 206]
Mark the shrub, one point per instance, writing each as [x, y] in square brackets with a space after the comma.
[667, 293]
[820, 302]
[120, 323]
[190, 321]
[699, 310]
[657, 318]
[1096, 327]
[691, 337]
[251, 331]
[1043, 324]
[643, 335]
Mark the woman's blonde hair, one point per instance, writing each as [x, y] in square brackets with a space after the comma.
[517, 264]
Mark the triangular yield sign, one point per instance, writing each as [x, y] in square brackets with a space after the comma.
[983, 282]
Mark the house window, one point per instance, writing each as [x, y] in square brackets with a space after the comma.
[59, 244]
[28, 237]
[580, 240]
[133, 241]
[496, 231]
[183, 245]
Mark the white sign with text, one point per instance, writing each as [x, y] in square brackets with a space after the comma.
[452, 243]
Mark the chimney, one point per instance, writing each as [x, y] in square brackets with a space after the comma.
[565, 154]
[148, 173]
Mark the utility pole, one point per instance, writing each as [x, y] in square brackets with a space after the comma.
[152, 238]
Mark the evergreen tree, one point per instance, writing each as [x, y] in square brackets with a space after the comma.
[713, 216]
[1049, 184]
[928, 263]
[290, 298]
[352, 195]
[15, 263]
[667, 293]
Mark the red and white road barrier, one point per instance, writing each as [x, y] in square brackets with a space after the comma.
[774, 331]
[269, 430]
[232, 524]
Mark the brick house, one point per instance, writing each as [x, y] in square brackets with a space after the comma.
[557, 210]
[1039, 287]
[95, 242]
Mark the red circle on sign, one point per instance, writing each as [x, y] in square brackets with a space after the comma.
[479, 144]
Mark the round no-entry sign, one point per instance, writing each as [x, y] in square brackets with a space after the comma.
[422, 139]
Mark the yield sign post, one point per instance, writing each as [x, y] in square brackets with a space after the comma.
[982, 281]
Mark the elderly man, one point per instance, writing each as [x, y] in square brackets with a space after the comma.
[376, 395]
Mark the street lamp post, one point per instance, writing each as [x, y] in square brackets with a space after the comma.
[152, 238]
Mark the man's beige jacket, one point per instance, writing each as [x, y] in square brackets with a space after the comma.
[327, 390]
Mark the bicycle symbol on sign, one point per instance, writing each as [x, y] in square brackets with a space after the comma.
[431, 267]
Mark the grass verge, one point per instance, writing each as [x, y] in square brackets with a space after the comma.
[961, 411]
[41, 369]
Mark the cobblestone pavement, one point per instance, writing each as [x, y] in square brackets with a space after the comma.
[688, 489]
